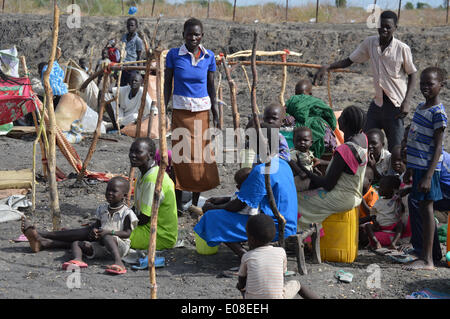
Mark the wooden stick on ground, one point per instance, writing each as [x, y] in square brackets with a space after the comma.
[159, 178]
[97, 132]
[54, 201]
[281, 220]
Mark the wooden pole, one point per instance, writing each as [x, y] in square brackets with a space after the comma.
[234, 107]
[287, 8]
[284, 80]
[159, 179]
[329, 89]
[123, 9]
[298, 64]
[119, 78]
[281, 220]
[399, 10]
[3, 6]
[153, 7]
[317, 11]
[38, 129]
[54, 200]
[234, 10]
[97, 132]
[448, 4]
[207, 12]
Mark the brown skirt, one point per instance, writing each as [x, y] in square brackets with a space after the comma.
[193, 162]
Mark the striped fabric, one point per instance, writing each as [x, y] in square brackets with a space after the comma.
[420, 143]
[264, 268]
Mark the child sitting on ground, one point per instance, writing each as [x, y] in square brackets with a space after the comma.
[388, 212]
[262, 269]
[303, 156]
[108, 234]
[111, 230]
[217, 202]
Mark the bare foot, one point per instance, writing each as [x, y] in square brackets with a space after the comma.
[419, 264]
[32, 235]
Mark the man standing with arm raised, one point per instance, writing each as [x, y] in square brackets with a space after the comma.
[394, 78]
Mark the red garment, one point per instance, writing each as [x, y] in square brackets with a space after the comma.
[114, 55]
[16, 100]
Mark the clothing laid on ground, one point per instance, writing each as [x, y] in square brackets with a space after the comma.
[314, 113]
[114, 222]
[264, 268]
[390, 68]
[167, 232]
[316, 205]
[222, 226]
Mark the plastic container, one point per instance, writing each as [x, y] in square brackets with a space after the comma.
[340, 242]
[203, 248]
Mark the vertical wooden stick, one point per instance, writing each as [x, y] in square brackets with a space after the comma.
[448, 5]
[287, 8]
[207, 12]
[399, 9]
[123, 9]
[54, 200]
[317, 11]
[234, 10]
[330, 102]
[281, 220]
[159, 178]
[122, 53]
[153, 7]
[234, 107]
[97, 132]
[3, 6]
[284, 80]
[38, 130]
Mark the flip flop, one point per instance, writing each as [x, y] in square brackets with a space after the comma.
[78, 263]
[143, 263]
[116, 270]
[344, 276]
[21, 238]
[403, 259]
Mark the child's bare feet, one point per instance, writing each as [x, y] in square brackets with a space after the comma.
[419, 264]
[32, 235]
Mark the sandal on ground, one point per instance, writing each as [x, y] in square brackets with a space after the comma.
[74, 262]
[116, 270]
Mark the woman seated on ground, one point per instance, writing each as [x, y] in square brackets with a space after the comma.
[341, 188]
[223, 224]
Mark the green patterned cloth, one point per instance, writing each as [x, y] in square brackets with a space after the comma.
[312, 112]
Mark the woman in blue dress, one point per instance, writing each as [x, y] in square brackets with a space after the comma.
[224, 223]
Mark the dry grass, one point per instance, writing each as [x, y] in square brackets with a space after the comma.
[268, 13]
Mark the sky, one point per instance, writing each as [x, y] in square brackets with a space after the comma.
[385, 4]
